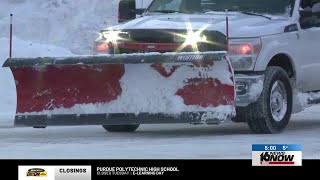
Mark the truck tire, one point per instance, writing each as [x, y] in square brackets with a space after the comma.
[121, 128]
[272, 112]
[240, 117]
[40, 127]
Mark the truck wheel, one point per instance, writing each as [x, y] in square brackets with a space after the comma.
[272, 112]
[121, 128]
[240, 117]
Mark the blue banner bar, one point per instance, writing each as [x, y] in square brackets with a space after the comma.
[276, 147]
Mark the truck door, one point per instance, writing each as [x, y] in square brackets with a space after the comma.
[309, 55]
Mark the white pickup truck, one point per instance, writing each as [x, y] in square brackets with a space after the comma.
[273, 46]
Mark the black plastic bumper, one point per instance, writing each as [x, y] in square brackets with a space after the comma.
[109, 119]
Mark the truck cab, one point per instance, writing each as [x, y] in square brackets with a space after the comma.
[131, 9]
[272, 45]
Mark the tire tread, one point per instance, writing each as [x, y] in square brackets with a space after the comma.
[257, 114]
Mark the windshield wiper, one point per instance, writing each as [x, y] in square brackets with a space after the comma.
[254, 14]
[164, 11]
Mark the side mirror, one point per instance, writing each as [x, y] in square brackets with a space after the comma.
[129, 15]
[126, 10]
[140, 11]
[305, 13]
[309, 19]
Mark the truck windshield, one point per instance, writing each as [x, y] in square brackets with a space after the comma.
[272, 7]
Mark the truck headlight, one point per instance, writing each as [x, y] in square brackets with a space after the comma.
[111, 36]
[190, 39]
[114, 36]
[243, 53]
[110, 39]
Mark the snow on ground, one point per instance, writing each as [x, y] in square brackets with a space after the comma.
[156, 141]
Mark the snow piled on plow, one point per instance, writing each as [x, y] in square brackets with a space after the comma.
[146, 91]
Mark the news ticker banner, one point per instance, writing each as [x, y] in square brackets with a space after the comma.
[276, 155]
[85, 172]
[262, 155]
[54, 172]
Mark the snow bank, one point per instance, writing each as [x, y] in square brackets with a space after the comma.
[69, 26]
[65, 23]
[30, 49]
[304, 98]
[7, 86]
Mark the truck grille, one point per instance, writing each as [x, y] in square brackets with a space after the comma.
[168, 36]
[151, 36]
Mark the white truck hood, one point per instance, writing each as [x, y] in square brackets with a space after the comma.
[241, 25]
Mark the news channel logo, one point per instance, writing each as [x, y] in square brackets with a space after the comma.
[54, 172]
[37, 172]
[276, 155]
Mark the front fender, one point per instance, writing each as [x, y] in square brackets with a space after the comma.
[274, 45]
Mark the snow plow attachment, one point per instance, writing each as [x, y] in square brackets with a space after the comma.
[124, 89]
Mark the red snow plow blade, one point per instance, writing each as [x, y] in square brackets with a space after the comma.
[123, 89]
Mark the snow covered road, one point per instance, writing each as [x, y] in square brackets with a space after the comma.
[157, 141]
